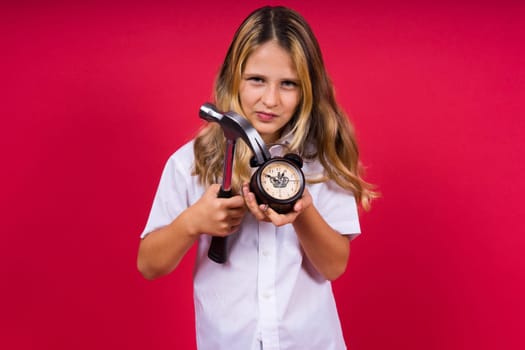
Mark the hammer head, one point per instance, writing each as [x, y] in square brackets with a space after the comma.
[234, 126]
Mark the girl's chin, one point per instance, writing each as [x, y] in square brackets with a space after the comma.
[269, 137]
[269, 132]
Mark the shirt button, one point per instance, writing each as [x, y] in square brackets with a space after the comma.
[267, 295]
[266, 253]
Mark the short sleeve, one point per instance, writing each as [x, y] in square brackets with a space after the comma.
[172, 196]
[338, 207]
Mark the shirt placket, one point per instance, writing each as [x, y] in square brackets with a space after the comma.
[268, 321]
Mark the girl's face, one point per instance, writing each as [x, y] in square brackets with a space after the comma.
[269, 90]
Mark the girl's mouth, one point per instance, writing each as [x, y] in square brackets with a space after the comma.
[266, 117]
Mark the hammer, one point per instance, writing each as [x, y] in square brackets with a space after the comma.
[233, 126]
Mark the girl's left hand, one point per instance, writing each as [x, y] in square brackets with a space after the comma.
[263, 212]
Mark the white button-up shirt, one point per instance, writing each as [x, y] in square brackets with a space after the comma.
[267, 294]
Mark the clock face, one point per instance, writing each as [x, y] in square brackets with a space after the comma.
[281, 180]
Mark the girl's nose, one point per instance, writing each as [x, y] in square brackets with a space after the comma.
[270, 97]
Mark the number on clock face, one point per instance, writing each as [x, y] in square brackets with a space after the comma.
[280, 180]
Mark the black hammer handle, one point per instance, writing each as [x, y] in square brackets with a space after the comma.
[218, 251]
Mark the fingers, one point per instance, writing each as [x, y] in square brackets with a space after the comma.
[263, 212]
[219, 216]
[224, 225]
[280, 219]
[259, 211]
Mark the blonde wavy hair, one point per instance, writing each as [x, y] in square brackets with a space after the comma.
[318, 120]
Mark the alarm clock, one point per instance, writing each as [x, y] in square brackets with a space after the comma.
[279, 182]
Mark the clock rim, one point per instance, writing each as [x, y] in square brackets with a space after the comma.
[267, 197]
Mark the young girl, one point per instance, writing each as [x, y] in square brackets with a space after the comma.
[274, 291]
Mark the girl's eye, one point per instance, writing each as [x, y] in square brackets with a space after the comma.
[256, 80]
[289, 84]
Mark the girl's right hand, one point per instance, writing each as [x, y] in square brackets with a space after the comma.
[217, 216]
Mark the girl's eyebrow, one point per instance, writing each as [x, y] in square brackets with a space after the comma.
[248, 74]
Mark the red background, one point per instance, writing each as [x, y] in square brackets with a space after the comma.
[95, 97]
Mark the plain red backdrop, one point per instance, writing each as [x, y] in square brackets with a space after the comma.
[96, 96]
